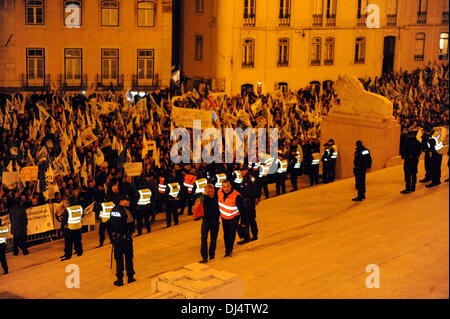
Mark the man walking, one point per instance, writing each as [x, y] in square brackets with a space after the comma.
[210, 224]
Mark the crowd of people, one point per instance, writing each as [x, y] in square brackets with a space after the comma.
[82, 142]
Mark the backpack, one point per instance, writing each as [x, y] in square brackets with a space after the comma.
[198, 208]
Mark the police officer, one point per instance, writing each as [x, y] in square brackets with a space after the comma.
[189, 183]
[295, 161]
[326, 159]
[424, 135]
[173, 199]
[230, 207]
[104, 215]
[410, 154]
[333, 159]
[250, 198]
[361, 163]
[314, 167]
[121, 224]
[280, 175]
[3, 233]
[435, 163]
[144, 207]
[71, 224]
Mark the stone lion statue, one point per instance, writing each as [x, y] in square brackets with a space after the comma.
[355, 100]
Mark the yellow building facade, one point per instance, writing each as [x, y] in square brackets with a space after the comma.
[267, 44]
[85, 44]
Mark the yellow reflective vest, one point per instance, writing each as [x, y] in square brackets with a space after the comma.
[105, 213]
[145, 196]
[75, 215]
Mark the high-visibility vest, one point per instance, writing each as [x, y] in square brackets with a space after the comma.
[3, 232]
[298, 158]
[316, 159]
[75, 215]
[200, 185]
[105, 213]
[189, 180]
[161, 186]
[283, 166]
[335, 151]
[227, 207]
[439, 145]
[174, 189]
[219, 179]
[238, 179]
[144, 196]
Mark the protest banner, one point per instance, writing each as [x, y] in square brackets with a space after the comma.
[184, 117]
[89, 215]
[10, 179]
[6, 222]
[133, 169]
[29, 173]
[40, 219]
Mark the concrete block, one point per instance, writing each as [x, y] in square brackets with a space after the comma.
[198, 275]
[225, 276]
[196, 267]
[172, 276]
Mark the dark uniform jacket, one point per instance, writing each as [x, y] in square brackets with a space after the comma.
[211, 210]
[410, 153]
[361, 161]
[18, 218]
[121, 221]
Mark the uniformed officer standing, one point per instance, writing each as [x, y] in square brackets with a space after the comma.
[250, 198]
[104, 215]
[435, 163]
[326, 159]
[71, 224]
[295, 161]
[333, 159]
[314, 168]
[144, 207]
[280, 175]
[121, 224]
[172, 195]
[230, 207]
[410, 153]
[424, 135]
[189, 183]
[361, 163]
[3, 233]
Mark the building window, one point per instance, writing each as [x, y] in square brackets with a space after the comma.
[443, 46]
[35, 65]
[317, 13]
[422, 12]
[199, 6]
[361, 14]
[146, 14]
[285, 13]
[445, 12]
[110, 13]
[331, 12]
[391, 10]
[329, 51]
[110, 65]
[34, 11]
[360, 50]
[72, 65]
[72, 14]
[419, 46]
[145, 64]
[248, 53]
[283, 86]
[199, 47]
[283, 52]
[249, 13]
[316, 51]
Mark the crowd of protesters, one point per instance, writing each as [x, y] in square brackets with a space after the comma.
[48, 130]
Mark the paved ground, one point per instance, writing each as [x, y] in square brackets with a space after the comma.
[315, 243]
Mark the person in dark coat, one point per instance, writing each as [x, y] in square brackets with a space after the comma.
[410, 154]
[19, 222]
[361, 162]
[210, 224]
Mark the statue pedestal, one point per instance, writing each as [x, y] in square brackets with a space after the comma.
[380, 136]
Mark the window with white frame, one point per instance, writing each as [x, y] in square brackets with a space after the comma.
[419, 46]
[35, 64]
[72, 65]
[329, 51]
[34, 11]
[285, 9]
[110, 13]
[110, 64]
[248, 53]
[360, 50]
[145, 64]
[283, 52]
[443, 46]
[146, 14]
[316, 51]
